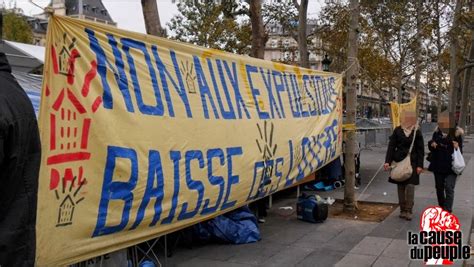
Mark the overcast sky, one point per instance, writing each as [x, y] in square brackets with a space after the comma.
[128, 13]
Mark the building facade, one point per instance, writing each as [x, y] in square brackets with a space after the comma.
[282, 46]
[92, 10]
[372, 102]
[424, 100]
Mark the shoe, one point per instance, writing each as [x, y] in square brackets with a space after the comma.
[358, 182]
[356, 187]
[403, 214]
[408, 216]
[261, 220]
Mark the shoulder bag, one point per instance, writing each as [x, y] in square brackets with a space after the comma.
[402, 171]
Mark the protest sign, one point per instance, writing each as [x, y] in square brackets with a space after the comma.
[142, 136]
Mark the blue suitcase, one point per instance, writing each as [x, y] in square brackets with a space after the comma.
[309, 209]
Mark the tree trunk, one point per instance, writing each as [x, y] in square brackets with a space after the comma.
[351, 83]
[470, 84]
[464, 114]
[258, 40]
[302, 41]
[453, 79]
[152, 18]
[418, 56]
[467, 91]
[466, 87]
[439, 65]
[471, 100]
[390, 83]
[399, 85]
[400, 70]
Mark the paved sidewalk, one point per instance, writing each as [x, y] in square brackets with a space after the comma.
[336, 242]
[386, 245]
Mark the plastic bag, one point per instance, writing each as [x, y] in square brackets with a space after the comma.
[330, 200]
[458, 162]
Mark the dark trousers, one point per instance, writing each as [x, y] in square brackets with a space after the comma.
[406, 197]
[445, 184]
[262, 207]
[259, 207]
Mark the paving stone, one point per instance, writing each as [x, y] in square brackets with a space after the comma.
[426, 193]
[422, 202]
[353, 260]
[390, 262]
[370, 245]
[290, 256]
[397, 249]
[421, 263]
[257, 254]
[333, 224]
[317, 239]
[181, 255]
[287, 236]
[388, 230]
[322, 258]
[390, 227]
[198, 262]
[414, 263]
[350, 237]
[310, 227]
[221, 252]
[266, 231]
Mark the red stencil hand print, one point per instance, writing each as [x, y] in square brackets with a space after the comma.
[70, 122]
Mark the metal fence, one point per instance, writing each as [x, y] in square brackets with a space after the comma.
[379, 136]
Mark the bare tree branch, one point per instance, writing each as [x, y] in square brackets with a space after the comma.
[408, 75]
[468, 60]
[464, 68]
[295, 2]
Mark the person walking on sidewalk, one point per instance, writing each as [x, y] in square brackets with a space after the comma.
[398, 148]
[442, 146]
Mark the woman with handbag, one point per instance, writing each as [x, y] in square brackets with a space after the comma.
[404, 157]
[442, 146]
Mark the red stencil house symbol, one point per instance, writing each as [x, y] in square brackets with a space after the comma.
[70, 122]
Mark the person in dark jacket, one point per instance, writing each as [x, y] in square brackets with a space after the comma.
[442, 146]
[398, 148]
[19, 166]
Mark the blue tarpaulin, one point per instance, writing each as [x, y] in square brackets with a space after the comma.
[31, 83]
[239, 226]
[35, 100]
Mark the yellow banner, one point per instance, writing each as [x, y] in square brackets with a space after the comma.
[397, 109]
[143, 136]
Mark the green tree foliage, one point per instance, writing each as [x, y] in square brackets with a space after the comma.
[388, 40]
[333, 30]
[16, 28]
[213, 25]
[283, 13]
[394, 26]
[464, 31]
